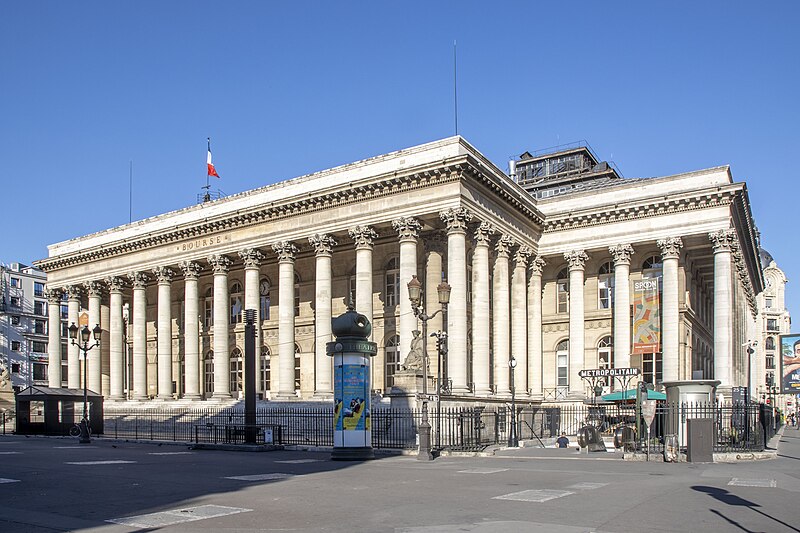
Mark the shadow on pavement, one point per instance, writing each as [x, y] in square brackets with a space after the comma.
[728, 498]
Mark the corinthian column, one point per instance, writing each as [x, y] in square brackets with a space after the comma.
[363, 237]
[164, 323]
[480, 310]
[724, 241]
[74, 293]
[92, 363]
[408, 231]
[252, 269]
[535, 327]
[577, 260]
[191, 329]
[457, 220]
[519, 319]
[139, 281]
[220, 265]
[286, 252]
[500, 317]
[54, 338]
[323, 250]
[670, 338]
[116, 340]
[622, 304]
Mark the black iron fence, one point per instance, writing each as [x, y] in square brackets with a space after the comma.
[736, 428]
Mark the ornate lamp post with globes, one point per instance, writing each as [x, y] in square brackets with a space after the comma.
[85, 334]
[513, 440]
[414, 294]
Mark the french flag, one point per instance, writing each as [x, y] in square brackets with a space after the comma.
[211, 170]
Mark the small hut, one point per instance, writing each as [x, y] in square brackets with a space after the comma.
[51, 411]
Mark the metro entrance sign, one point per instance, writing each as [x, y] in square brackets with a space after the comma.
[609, 372]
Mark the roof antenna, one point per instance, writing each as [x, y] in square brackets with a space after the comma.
[455, 84]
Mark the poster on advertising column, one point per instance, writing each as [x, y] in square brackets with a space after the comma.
[351, 411]
[646, 316]
[790, 363]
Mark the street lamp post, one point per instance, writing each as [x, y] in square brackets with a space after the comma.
[414, 295]
[85, 334]
[441, 349]
[513, 440]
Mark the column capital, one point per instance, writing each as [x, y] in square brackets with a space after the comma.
[163, 275]
[285, 251]
[723, 240]
[220, 264]
[363, 236]
[670, 247]
[537, 265]
[138, 279]
[54, 295]
[115, 283]
[323, 244]
[407, 228]
[74, 292]
[456, 219]
[94, 288]
[483, 234]
[191, 269]
[621, 253]
[576, 259]
[252, 257]
[522, 255]
[503, 246]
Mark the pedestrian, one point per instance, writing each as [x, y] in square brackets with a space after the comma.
[562, 441]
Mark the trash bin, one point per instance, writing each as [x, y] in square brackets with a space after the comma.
[624, 438]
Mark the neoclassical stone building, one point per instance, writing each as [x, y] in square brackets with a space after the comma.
[543, 269]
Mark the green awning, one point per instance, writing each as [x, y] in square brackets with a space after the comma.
[630, 395]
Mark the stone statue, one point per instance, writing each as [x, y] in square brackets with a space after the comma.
[414, 359]
[5, 380]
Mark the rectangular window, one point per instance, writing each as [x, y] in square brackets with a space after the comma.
[64, 330]
[15, 346]
[652, 371]
[39, 371]
[392, 288]
[563, 368]
[40, 327]
[768, 303]
[15, 302]
[15, 284]
[39, 308]
[770, 361]
[38, 289]
[562, 302]
[15, 368]
[39, 347]
[772, 324]
[15, 320]
[208, 316]
[265, 306]
[604, 292]
[64, 312]
[236, 309]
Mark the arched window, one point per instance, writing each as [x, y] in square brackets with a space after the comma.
[769, 343]
[208, 307]
[264, 289]
[605, 285]
[392, 353]
[562, 363]
[237, 370]
[296, 294]
[264, 373]
[605, 357]
[237, 298]
[392, 283]
[562, 291]
[351, 288]
[297, 367]
[651, 267]
[208, 372]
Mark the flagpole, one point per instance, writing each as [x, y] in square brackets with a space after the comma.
[130, 193]
[455, 85]
[207, 195]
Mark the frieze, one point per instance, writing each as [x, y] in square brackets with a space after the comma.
[204, 242]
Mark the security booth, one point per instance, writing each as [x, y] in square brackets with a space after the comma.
[51, 411]
[351, 352]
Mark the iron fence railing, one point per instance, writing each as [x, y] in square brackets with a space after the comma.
[736, 428]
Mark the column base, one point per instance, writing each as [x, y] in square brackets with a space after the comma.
[323, 395]
[285, 396]
[483, 392]
[193, 397]
[461, 391]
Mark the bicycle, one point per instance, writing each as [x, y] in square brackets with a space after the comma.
[76, 430]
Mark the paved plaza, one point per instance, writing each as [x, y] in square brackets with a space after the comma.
[55, 484]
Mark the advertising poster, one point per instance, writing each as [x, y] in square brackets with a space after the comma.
[646, 316]
[790, 363]
[350, 405]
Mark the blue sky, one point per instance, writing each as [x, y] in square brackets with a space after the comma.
[289, 88]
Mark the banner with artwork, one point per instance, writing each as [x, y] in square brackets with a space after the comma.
[790, 363]
[646, 316]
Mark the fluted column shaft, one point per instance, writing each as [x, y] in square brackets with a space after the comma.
[139, 281]
[535, 327]
[408, 230]
[481, 327]
[54, 338]
[116, 341]
[93, 361]
[323, 375]
[286, 339]
[191, 341]
[519, 320]
[723, 241]
[670, 338]
[622, 304]
[500, 316]
[73, 353]
[222, 357]
[434, 263]
[164, 324]
[457, 220]
[577, 260]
